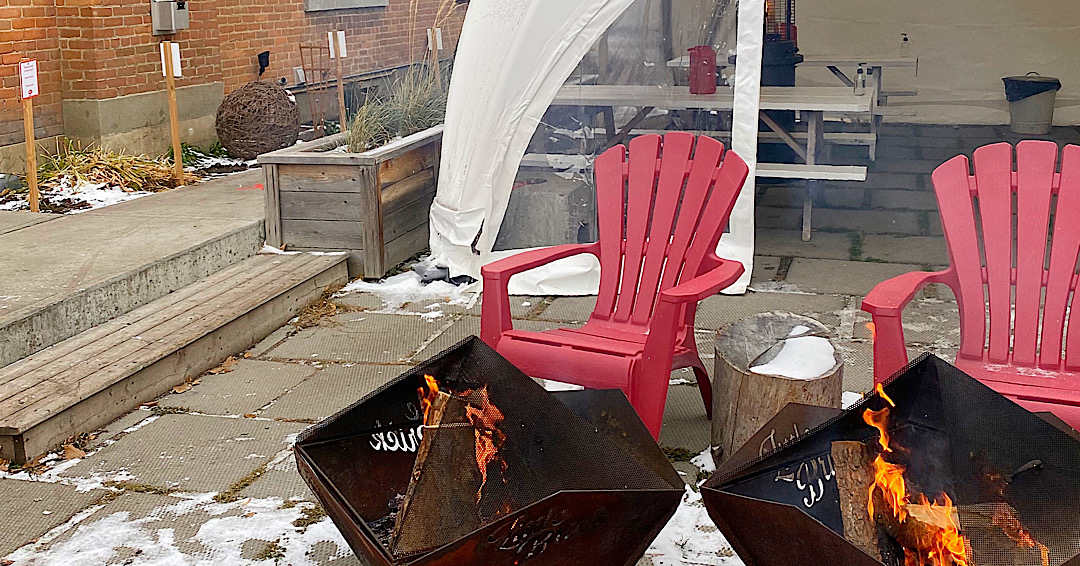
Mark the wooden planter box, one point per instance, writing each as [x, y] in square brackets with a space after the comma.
[373, 205]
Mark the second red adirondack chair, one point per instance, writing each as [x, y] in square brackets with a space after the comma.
[1028, 353]
[661, 213]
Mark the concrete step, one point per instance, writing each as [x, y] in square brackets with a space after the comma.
[88, 380]
[63, 276]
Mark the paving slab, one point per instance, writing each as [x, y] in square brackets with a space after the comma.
[120, 427]
[569, 309]
[905, 249]
[443, 306]
[359, 337]
[722, 310]
[144, 528]
[788, 243]
[281, 480]
[858, 364]
[362, 301]
[685, 423]
[842, 277]
[244, 390]
[12, 220]
[31, 509]
[929, 323]
[331, 389]
[523, 305]
[470, 326]
[272, 340]
[191, 453]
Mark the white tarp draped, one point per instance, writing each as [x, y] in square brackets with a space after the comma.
[512, 58]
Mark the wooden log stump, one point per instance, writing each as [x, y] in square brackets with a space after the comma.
[761, 366]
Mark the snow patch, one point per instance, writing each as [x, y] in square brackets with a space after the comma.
[691, 538]
[396, 291]
[704, 461]
[801, 357]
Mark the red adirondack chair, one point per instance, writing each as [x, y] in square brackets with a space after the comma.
[1022, 355]
[657, 260]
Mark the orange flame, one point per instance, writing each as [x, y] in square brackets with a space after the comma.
[873, 331]
[947, 546]
[1010, 523]
[428, 393]
[881, 392]
[489, 438]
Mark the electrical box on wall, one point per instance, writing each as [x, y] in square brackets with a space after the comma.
[169, 16]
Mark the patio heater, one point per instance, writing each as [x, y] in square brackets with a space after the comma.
[780, 53]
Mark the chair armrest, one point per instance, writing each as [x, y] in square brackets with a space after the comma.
[889, 298]
[524, 261]
[705, 285]
[495, 309]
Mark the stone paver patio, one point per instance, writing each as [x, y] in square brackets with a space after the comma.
[207, 475]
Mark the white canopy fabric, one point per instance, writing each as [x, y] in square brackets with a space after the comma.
[513, 56]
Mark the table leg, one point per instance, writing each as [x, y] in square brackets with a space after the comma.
[840, 75]
[814, 141]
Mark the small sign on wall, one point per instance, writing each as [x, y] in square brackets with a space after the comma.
[28, 78]
[340, 41]
[434, 39]
[177, 72]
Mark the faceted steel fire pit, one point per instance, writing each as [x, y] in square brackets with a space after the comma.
[935, 468]
[480, 465]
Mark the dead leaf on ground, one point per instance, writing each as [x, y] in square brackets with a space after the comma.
[250, 415]
[227, 366]
[148, 404]
[249, 514]
[73, 453]
[247, 354]
[4, 465]
[181, 388]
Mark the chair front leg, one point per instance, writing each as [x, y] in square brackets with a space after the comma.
[651, 374]
[890, 349]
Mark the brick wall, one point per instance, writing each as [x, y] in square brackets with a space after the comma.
[103, 49]
[28, 29]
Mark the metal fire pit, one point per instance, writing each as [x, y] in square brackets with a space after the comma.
[583, 478]
[959, 437]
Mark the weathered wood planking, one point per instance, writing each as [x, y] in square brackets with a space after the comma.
[358, 203]
[306, 205]
[323, 234]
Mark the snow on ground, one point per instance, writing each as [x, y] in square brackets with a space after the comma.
[801, 357]
[70, 196]
[691, 538]
[396, 291]
[96, 541]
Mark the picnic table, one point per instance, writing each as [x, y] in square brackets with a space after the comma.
[810, 102]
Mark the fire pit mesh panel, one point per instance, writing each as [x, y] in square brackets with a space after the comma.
[546, 448]
[403, 492]
[1013, 477]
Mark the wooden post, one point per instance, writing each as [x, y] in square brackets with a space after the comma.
[31, 153]
[28, 89]
[174, 115]
[338, 50]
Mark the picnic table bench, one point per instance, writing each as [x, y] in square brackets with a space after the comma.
[810, 102]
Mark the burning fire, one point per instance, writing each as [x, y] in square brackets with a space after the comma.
[485, 421]
[489, 439]
[873, 331]
[1014, 529]
[428, 393]
[940, 545]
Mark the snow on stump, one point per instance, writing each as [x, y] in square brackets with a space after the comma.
[763, 363]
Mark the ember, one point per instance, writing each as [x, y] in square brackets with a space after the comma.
[1008, 521]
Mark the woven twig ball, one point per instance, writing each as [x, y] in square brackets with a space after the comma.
[256, 118]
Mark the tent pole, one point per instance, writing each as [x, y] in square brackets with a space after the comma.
[669, 45]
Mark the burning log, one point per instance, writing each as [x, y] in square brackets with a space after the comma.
[853, 462]
[448, 444]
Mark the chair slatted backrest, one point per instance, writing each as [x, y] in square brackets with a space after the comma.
[997, 224]
[661, 212]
